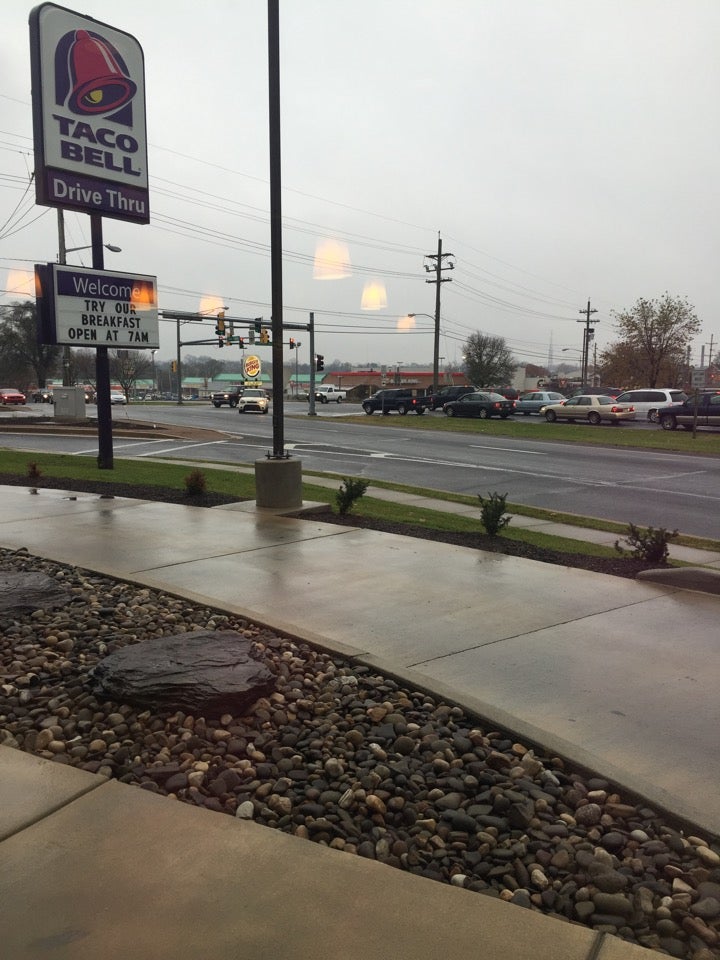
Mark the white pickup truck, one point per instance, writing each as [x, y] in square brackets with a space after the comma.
[326, 393]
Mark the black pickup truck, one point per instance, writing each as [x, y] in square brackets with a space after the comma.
[229, 396]
[403, 400]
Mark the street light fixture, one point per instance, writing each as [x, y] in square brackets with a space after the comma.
[108, 246]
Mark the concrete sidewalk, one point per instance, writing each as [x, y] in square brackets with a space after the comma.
[617, 675]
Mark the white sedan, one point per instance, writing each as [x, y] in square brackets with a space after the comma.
[117, 396]
[589, 407]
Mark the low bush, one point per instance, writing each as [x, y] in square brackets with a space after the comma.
[650, 545]
[195, 483]
[351, 490]
[492, 513]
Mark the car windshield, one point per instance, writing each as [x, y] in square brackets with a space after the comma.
[254, 393]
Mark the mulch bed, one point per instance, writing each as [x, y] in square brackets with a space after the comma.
[616, 566]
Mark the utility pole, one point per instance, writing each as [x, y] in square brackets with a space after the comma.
[438, 268]
[588, 335]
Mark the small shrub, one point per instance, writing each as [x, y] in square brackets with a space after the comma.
[195, 483]
[351, 490]
[650, 545]
[492, 513]
[33, 471]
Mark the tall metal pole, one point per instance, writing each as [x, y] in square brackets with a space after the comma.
[178, 362]
[436, 340]
[62, 258]
[102, 363]
[276, 227]
[311, 398]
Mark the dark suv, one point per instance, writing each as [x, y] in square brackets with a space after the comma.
[705, 414]
[446, 394]
[404, 400]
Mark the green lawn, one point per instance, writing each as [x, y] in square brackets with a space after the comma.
[241, 483]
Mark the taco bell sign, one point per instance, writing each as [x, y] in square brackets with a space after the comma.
[88, 100]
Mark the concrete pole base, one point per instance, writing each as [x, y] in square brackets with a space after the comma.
[278, 483]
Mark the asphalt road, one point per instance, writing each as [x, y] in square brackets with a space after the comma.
[642, 487]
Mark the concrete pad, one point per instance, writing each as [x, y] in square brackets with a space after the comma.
[32, 788]
[19, 504]
[132, 535]
[400, 597]
[635, 688]
[120, 873]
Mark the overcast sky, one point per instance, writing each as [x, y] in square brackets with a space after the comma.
[564, 150]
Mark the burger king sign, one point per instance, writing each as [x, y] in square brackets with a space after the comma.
[251, 367]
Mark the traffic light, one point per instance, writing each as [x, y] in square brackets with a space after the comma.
[173, 366]
[291, 343]
[241, 343]
[257, 324]
[319, 362]
[220, 325]
[221, 342]
[264, 336]
[251, 335]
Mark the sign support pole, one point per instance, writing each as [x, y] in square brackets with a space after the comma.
[102, 363]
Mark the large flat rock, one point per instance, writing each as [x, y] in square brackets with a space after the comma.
[205, 672]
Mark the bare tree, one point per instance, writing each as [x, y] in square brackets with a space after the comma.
[488, 360]
[128, 366]
[654, 337]
[22, 356]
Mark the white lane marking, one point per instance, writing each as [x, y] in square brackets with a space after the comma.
[189, 446]
[525, 453]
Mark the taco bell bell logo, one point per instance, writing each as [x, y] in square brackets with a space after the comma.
[91, 77]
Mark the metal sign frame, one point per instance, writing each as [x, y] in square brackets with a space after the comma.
[80, 307]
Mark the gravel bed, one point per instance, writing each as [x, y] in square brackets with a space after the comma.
[346, 757]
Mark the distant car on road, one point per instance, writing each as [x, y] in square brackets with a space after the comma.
[599, 392]
[589, 407]
[650, 400]
[117, 396]
[42, 396]
[533, 401]
[480, 404]
[253, 398]
[328, 392]
[403, 400]
[706, 413]
[446, 394]
[10, 395]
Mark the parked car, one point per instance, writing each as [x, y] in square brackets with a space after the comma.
[11, 395]
[706, 413]
[589, 407]
[599, 392]
[253, 398]
[403, 400]
[649, 400]
[481, 405]
[117, 396]
[446, 394]
[533, 401]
